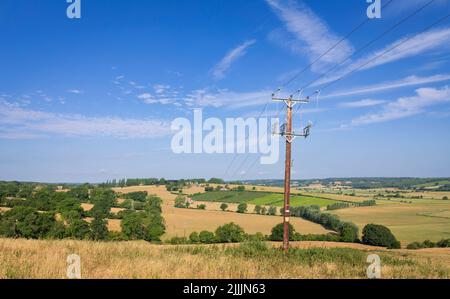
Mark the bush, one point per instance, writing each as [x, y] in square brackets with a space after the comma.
[207, 237]
[242, 208]
[272, 211]
[443, 243]
[224, 207]
[278, 232]
[201, 207]
[337, 206]
[445, 198]
[178, 240]
[414, 245]
[194, 238]
[181, 202]
[257, 209]
[263, 211]
[240, 188]
[140, 196]
[379, 235]
[348, 232]
[229, 233]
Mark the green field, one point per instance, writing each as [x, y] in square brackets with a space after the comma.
[260, 198]
[296, 201]
[229, 196]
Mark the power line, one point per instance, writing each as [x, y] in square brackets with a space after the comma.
[366, 20]
[368, 44]
[246, 139]
[385, 52]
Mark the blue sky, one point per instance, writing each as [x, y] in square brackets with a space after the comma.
[92, 99]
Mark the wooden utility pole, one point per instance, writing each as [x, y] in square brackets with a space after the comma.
[287, 176]
[286, 131]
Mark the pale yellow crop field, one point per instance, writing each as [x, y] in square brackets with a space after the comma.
[406, 221]
[181, 222]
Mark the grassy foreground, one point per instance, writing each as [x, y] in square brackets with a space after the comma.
[47, 259]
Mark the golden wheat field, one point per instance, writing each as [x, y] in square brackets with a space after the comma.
[182, 222]
[48, 259]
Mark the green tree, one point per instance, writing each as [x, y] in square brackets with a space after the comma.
[379, 235]
[99, 229]
[77, 228]
[194, 238]
[201, 207]
[229, 233]
[26, 222]
[272, 211]
[224, 207]
[240, 188]
[242, 208]
[263, 211]
[277, 232]
[180, 202]
[257, 209]
[207, 237]
[348, 232]
[133, 226]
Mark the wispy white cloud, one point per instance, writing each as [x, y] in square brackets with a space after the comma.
[410, 46]
[406, 106]
[16, 122]
[75, 91]
[312, 35]
[230, 99]
[220, 70]
[404, 82]
[362, 103]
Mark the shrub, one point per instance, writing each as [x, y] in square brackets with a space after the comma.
[207, 237]
[414, 245]
[272, 211]
[443, 243]
[194, 238]
[257, 209]
[223, 206]
[181, 202]
[255, 237]
[379, 235]
[338, 205]
[348, 232]
[278, 232]
[136, 196]
[201, 207]
[240, 188]
[242, 208]
[445, 198]
[229, 233]
[263, 211]
[429, 244]
[178, 240]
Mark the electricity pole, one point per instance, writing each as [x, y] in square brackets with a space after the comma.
[286, 131]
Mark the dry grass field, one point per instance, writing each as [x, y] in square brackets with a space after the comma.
[48, 259]
[181, 222]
